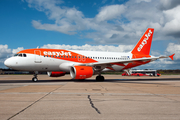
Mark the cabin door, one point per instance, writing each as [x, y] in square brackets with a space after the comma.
[37, 58]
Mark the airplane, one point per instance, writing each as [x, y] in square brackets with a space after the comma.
[82, 64]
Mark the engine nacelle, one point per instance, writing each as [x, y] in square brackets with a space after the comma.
[56, 73]
[81, 72]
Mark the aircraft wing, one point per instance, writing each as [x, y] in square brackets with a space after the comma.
[148, 59]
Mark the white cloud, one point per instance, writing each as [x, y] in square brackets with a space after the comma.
[174, 48]
[14, 51]
[168, 4]
[110, 12]
[155, 53]
[53, 27]
[138, 1]
[104, 1]
[172, 26]
[114, 24]
[64, 17]
[4, 51]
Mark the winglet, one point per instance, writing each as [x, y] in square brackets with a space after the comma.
[171, 56]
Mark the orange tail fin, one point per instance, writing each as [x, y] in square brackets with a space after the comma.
[144, 45]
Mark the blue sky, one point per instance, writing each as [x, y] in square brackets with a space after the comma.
[113, 25]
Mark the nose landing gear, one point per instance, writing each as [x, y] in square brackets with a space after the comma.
[34, 79]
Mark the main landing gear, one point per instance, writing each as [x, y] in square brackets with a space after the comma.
[99, 77]
[34, 79]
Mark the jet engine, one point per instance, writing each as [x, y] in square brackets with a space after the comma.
[56, 73]
[81, 72]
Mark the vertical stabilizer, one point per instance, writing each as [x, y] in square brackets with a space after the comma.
[144, 45]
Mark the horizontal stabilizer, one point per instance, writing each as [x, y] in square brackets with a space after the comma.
[171, 56]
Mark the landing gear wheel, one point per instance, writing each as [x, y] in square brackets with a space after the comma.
[100, 78]
[34, 79]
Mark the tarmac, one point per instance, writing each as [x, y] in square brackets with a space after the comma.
[117, 98]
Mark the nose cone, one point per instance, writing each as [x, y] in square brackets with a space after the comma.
[8, 62]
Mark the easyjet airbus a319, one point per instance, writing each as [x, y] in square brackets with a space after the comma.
[82, 64]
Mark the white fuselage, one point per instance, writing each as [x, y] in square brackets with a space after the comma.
[33, 62]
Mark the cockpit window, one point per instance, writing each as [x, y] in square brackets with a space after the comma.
[24, 55]
[21, 55]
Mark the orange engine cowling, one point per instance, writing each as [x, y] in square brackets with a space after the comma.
[56, 73]
[81, 72]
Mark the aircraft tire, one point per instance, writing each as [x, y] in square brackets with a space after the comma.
[100, 78]
[34, 79]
